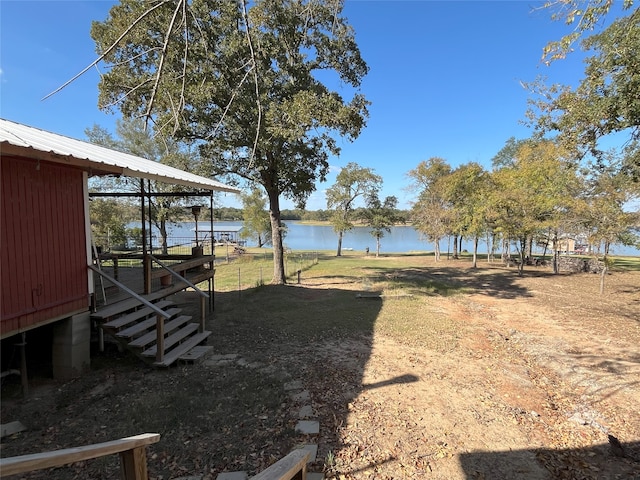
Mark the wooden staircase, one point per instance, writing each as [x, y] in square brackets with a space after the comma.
[134, 326]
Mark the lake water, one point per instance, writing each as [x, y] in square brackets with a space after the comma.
[402, 239]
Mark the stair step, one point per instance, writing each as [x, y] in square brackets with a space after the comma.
[196, 353]
[150, 337]
[183, 348]
[123, 306]
[135, 315]
[173, 339]
[143, 326]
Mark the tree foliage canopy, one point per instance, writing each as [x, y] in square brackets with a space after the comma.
[352, 182]
[607, 100]
[582, 15]
[243, 82]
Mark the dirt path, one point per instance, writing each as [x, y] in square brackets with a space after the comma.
[531, 391]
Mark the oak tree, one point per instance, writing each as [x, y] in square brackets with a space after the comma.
[352, 182]
[256, 217]
[380, 216]
[243, 80]
[431, 212]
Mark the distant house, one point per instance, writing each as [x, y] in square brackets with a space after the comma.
[45, 241]
[571, 244]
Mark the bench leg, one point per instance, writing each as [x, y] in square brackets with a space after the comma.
[134, 464]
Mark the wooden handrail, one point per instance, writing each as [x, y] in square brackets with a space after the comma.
[292, 466]
[131, 293]
[186, 265]
[131, 450]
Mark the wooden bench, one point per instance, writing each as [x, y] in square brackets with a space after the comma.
[132, 452]
[292, 466]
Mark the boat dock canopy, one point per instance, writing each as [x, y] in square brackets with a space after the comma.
[21, 140]
[221, 233]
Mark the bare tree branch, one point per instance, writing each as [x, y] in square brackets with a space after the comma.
[161, 65]
[255, 78]
[106, 52]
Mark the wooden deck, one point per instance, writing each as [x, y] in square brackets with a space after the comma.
[132, 276]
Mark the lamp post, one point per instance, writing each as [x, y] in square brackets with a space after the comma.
[197, 250]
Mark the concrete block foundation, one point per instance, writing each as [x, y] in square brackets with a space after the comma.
[71, 346]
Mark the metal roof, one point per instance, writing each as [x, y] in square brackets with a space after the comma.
[221, 229]
[16, 138]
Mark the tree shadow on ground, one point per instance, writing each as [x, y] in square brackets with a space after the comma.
[234, 413]
[450, 280]
[534, 464]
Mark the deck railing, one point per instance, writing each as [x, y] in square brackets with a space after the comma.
[161, 315]
[132, 451]
[184, 266]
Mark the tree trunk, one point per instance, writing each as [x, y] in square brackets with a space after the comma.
[523, 246]
[489, 246]
[475, 251]
[556, 268]
[339, 251]
[437, 249]
[163, 236]
[279, 276]
[603, 273]
[546, 245]
[377, 246]
[455, 246]
[504, 255]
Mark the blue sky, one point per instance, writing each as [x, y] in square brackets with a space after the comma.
[445, 77]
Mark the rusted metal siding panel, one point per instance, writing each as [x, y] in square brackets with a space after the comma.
[43, 243]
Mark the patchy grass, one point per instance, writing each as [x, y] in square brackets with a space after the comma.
[237, 416]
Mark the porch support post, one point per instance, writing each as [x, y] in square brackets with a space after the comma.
[159, 338]
[145, 259]
[202, 314]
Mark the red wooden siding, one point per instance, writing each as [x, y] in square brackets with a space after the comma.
[43, 269]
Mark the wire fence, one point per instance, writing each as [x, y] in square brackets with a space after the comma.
[252, 270]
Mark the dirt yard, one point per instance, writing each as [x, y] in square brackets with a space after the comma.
[530, 390]
[516, 378]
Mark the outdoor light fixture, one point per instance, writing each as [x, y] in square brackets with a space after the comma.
[196, 209]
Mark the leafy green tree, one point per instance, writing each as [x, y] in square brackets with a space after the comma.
[533, 194]
[108, 218]
[380, 216]
[244, 83]
[466, 193]
[605, 214]
[256, 218]
[508, 154]
[607, 100]
[352, 182]
[431, 213]
[582, 16]
[132, 137]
